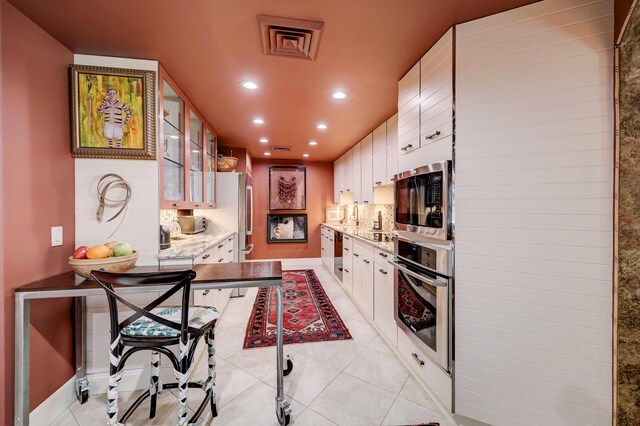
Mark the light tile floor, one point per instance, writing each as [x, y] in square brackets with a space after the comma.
[349, 382]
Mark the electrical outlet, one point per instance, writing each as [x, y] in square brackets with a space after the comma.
[56, 236]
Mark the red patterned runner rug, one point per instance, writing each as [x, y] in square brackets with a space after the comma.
[309, 315]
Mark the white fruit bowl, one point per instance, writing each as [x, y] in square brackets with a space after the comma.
[83, 267]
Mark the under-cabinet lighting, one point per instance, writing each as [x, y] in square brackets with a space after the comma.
[313, 143]
[321, 126]
[339, 94]
[305, 155]
[258, 121]
[264, 140]
[267, 154]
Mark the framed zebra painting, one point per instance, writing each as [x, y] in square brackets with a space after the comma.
[113, 113]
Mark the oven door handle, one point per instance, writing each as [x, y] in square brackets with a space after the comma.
[435, 283]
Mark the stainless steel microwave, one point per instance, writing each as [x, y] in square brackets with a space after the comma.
[423, 200]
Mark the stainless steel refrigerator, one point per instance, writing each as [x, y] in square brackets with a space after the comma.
[234, 212]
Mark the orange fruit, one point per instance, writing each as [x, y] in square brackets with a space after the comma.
[98, 252]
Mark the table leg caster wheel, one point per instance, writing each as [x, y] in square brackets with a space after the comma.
[82, 390]
[284, 419]
[288, 365]
[83, 396]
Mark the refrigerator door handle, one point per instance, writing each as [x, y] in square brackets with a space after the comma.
[249, 208]
[247, 249]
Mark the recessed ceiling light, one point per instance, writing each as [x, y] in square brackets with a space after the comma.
[313, 143]
[338, 94]
[251, 85]
[267, 154]
[305, 155]
[264, 140]
[321, 126]
[258, 121]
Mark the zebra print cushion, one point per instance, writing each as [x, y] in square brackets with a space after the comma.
[199, 316]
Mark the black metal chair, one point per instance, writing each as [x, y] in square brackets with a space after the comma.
[155, 329]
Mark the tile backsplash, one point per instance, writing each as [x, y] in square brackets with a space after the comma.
[368, 213]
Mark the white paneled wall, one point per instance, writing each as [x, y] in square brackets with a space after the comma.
[534, 168]
[140, 228]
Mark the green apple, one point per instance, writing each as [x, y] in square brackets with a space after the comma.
[123, 249]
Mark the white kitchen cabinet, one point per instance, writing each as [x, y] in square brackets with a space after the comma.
[326, 247]
[383, 296]
[363, 277]
[409, 111]
[392, 148]
[222, 252]
[366, 168]
[356, 174]
[347, 171]
[380, 155]
[347, 263]
[338, 177]
[425, 121]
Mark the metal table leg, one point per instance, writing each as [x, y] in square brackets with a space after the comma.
[21, 386]
[283, 410]
[82, 383]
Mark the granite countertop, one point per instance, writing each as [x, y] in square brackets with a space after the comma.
[356, 231]
[190, 246]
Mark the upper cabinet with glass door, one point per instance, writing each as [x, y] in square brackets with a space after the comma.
[210, 168]
[188, 152]
[173, 148]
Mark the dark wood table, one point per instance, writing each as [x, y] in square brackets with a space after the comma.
[214, 276]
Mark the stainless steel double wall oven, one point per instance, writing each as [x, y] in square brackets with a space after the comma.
[424, 259]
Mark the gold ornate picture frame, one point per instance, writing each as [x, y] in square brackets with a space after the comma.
[113, 113]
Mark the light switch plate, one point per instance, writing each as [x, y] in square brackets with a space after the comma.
[56, 236]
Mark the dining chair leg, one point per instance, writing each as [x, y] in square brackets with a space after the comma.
[211, 380]
[154, 387]
[183, 382]
[115, 351]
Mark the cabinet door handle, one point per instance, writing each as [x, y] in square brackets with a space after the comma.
[348, 190]
[418, 360]
[346, 270]
[356, 254]
[230, 239]
[406, 147]
[378, 183]
[382, 254]
[365, 202]
[221, 245]
[220, 260]
[433, 135]
[206, 292]
[383, 272]
[206, 256]
[230, 251]
[322, 249]
[366, 261]
[346, 249]
[197, 205]
[175, 204]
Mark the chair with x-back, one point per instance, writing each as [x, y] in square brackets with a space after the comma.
[157, 329]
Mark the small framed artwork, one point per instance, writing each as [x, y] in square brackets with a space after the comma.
[286, 228]
[113, 113]
[287, 188]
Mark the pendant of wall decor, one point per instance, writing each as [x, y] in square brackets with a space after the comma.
[287, 188]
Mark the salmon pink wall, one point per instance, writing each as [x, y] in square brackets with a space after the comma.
[319, 196]
[38, 193]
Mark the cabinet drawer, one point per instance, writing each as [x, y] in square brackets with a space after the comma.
[381, 258]
[439, 381]
[209, 256]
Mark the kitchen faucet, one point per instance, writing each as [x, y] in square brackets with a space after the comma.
[354, 216]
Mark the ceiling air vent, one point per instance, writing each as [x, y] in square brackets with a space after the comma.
[295, 38]
[280, 148]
